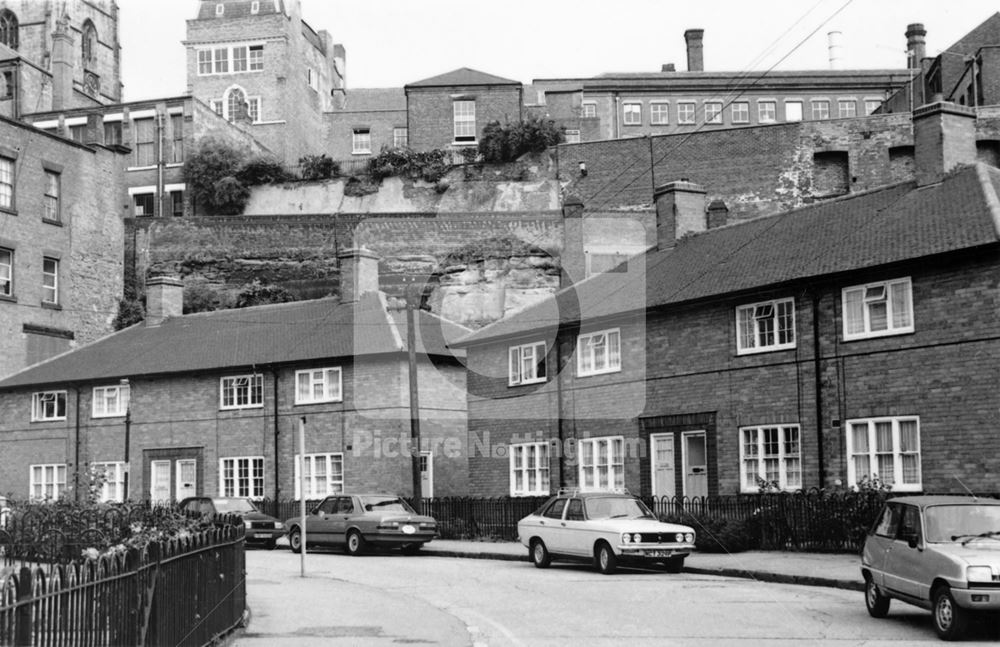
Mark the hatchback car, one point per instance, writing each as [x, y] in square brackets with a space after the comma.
[357, 521]
[260, 528]
[940, 553]
[606, 527]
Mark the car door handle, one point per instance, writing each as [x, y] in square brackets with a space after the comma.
[541, 523]
[563, 524]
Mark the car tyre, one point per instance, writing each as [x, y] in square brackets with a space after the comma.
[295, 540]
[540, 556]
[411, 549]
[355, 543]
[673, 565]
[878, 604]
[950, 620]
[605, 558]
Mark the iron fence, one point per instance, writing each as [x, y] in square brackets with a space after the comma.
[186, 590]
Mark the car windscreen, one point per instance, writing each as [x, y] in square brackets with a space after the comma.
[223, 506]
[385, 504]
[616, 507]
[946, 523]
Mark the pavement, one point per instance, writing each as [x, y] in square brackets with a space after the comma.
[276, 608]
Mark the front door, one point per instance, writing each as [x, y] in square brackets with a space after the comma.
[187, 478]
[426, 475]
[159, 481]
[661, 453]
[695, 464]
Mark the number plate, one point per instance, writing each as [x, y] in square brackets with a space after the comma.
[261, 535]
[657, 553]
[408, 530]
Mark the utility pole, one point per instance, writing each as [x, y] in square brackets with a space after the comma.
[412, 302]
[126, 387]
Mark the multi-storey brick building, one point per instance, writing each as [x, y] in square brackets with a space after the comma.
[212, 402]
[61, 244]
[818, 347]
[260, 61]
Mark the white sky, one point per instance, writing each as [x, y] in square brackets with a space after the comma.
[393, 42]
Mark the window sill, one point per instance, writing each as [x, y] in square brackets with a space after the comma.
[141, 168]
[51, 306]
[361, 152]
[175, 164]
[632, 125]
[465, 143]
[9, 211]
[602, 372]
[8, 298]
[768, 349]
[877, 335]
[527, 382]
[108, 416]
[49, 221]
[63, 419]
[251, 406]
[298, 404]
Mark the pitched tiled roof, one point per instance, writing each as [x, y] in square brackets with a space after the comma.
[374, 99]
[236, 8]
[896, 223]
[461, 77]
[271, 334]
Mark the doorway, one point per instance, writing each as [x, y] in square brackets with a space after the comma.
[661, 456]
[695, 459]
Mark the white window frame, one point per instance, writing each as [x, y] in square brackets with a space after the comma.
[632, 113]
[767, 111]
[254, 109]
[872, 104]
[611, 357]
[614, 448]
[522, 473]
[361, 141]
[589, 109]
[739, 112]
[6, 272]
[110, 401]
[687, 112]
[325, 484]
[843, 103]
[426, 462]
[871, 453]
[254, 386]
[40, 404]
[755, 452]
[53, 180]
[221, 59]
[524, 357]
[46, 476]
[801, 108]
[255, 58]
[659, 113]
[50, 281]
[868, 293]
[113, 488]
[231, 483]
[464, 120]
[400, 137]
[713, 112]
[754, 314]
[220, 9]
[241, 58]
[312, 78]
[572, 136]
[329, 379]
[254, 7]
[819, 109]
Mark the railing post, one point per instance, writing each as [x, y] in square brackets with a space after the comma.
[22, 637]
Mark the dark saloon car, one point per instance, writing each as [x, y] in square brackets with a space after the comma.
[261, 528]
[357, 521]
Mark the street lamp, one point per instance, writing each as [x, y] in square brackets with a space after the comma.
[125, 388]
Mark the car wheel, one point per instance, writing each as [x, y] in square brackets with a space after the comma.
[950, 620]
[355, 543]
[295, 541]
[540, 556]
[411, 549]
[606, 559]
[673, 565]
[878, 604]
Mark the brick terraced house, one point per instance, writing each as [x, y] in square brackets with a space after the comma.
[852, 338]
[211, 403]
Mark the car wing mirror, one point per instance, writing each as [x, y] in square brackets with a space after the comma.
[912, 540]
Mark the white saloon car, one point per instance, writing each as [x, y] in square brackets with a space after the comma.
[606, 527]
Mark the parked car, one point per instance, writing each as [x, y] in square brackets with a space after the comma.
[940, 553]
[260, 528]
[357, 521]
[605, 527]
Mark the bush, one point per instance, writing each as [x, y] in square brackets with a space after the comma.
[130, 311]
[211, 172]
[318, 167]
[257, 294]
[717, 534]
[506, 143]
[262, 170]
[429, 165]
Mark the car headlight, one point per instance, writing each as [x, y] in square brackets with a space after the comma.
[278, 525]
[626, 538]
[247, 524]
[979, 574]
[689, 538]
[637, 538]
[679, 537]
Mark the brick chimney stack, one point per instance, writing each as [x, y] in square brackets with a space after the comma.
[164, 299]
[916, 48]
[944, 137]
[696, 60]
[680, 210]
[358, 273]
[574, 268]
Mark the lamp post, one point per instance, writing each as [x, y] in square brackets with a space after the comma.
[125, 387]
[412, 295]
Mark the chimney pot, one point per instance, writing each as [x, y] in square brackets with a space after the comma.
[718, 213]
[944, 137]
[916, 48]
[668, 67]
[572, 259]
[695, 56]
[358, 273]
[164, 299]
[680, 210]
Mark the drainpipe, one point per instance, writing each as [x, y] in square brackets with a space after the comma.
[160, 162]
[277, 456]
[819, 387]
[560, 429]
[617, 132]
[76, 450]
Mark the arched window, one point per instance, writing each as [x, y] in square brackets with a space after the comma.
[236, 104]
[89, 42]
[8, 28]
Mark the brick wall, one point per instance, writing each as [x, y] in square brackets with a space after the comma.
[340, 126]
[431, 115]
